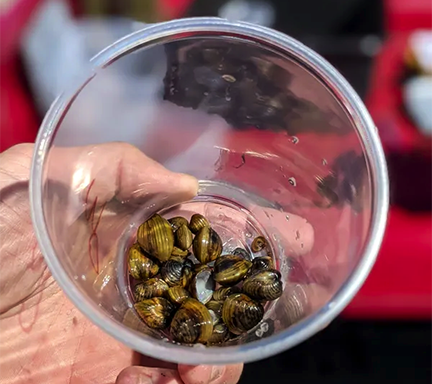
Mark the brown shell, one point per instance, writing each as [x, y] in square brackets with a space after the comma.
[183, 238]
[188, 263]
[222, 293]
[197, 222]
[199, 267]
[187, 276]
[258, 244]
[230, 269]
[154, 287]
[179, 252]
[177, 295]
[264, 285]
[177, 222]
[261, 263]
[156, 237]
[207, 245]
[156, 312]
[140, 266]
[192, 323]
[175, 273]
[202, 286]
[219, 335]
[215, 306]
[243, 253]
[240, 313]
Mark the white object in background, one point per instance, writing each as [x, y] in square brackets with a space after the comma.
[53, 52]
[418, 101]
[255, 12]
[119, 103]
[421, 45]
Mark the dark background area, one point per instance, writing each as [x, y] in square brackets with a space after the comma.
[352, 352]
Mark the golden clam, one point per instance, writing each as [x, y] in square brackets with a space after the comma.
[140, 266]
[155, 312]
[230, 269]
[207, 245]
[156, 237]
[240, 313]
[154, 287]
[192, 323]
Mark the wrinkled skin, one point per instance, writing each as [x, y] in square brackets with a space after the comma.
[44, 338]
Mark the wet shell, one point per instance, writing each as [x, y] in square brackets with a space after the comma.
[258, 244]
[183, 238]
[219, 335]
[230, 269]
[215, 306]
[177, 295]
[203, 286]
[150, 288]
[264, 285]
[140, 266]
[215, 317]
[177, 222]
[186, 277]
[222, 293]
[199, 267]
[207, 245]
[197, 222]
[261, 263]
[242, 252]
[156, 312]
[192, 323]
[240, 313]
[156, 237]
[179, 252]
[188, 263]
[172, 271]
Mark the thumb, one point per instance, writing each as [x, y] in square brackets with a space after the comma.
[144, 375]
[207, 374]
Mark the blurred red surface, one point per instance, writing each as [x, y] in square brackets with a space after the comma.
[404, 15]
[400, 285]
[18, 118]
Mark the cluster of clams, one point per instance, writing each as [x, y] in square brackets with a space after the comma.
[200, 296]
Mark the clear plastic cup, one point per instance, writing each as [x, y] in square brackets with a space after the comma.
[280, 143]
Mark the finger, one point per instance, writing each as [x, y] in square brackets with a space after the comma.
[15, 164]
[144, 375]
[147, 361]
[207, 374]
[117, 169]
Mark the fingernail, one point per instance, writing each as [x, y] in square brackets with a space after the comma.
[144, 380]
[216, 373]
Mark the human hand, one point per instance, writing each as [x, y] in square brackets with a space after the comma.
[44, 338]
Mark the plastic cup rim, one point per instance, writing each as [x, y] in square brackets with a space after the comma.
[283, 340]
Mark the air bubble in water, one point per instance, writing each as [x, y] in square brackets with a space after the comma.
[259, 332]
[292, 181]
